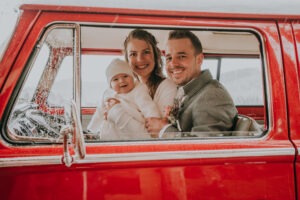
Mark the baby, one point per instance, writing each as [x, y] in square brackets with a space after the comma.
[125, 105]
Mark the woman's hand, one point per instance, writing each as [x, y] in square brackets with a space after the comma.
[167, 111]
[109, 103]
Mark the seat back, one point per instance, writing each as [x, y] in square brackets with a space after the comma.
[247, 124]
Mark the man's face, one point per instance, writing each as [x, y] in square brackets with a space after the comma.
[182, 64]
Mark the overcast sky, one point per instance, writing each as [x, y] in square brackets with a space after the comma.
[8, 18]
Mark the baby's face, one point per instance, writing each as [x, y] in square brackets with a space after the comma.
[122, 83]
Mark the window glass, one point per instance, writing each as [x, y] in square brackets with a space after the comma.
[237, 65]
[33, 78]
[62, 89]
[243, 79]
[212, 65]
[39, 109]
[38, 114]
[93, 78]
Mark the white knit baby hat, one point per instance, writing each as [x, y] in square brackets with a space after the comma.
[117, 66]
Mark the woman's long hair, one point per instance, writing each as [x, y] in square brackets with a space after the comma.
[156, 76]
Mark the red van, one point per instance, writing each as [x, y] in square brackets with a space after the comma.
[52, 78]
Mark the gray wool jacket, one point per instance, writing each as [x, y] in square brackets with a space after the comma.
[207, 106]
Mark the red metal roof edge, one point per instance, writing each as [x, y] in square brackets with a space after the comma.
[134, 11]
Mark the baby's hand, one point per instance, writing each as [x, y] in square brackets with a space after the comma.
[109, 103]
[105, 114]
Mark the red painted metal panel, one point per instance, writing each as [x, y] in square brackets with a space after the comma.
[262, 177]
[292, 77]
[157, 180]
[8, 75]
[293, 69]
[26, 21]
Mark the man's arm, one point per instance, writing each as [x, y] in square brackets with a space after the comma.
[213, 112]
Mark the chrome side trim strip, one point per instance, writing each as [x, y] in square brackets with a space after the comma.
[176, 155]
[148, 156]
[30, 161]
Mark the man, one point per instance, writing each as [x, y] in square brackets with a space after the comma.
[205, 105]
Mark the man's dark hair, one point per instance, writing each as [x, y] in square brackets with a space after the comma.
[181, 34]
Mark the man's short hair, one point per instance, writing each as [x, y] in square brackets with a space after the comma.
[181, 34]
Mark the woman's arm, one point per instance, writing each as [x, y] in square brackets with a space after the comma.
[144, 102]
[126, 123]
[164, 95]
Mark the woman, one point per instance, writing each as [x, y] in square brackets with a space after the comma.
[143, 55]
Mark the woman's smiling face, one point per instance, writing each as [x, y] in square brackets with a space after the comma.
[141, 58]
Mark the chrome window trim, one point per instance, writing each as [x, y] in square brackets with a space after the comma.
[148, 156]
[176, 155]
[77, 68]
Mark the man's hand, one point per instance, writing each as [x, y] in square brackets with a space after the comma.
[154, 125]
